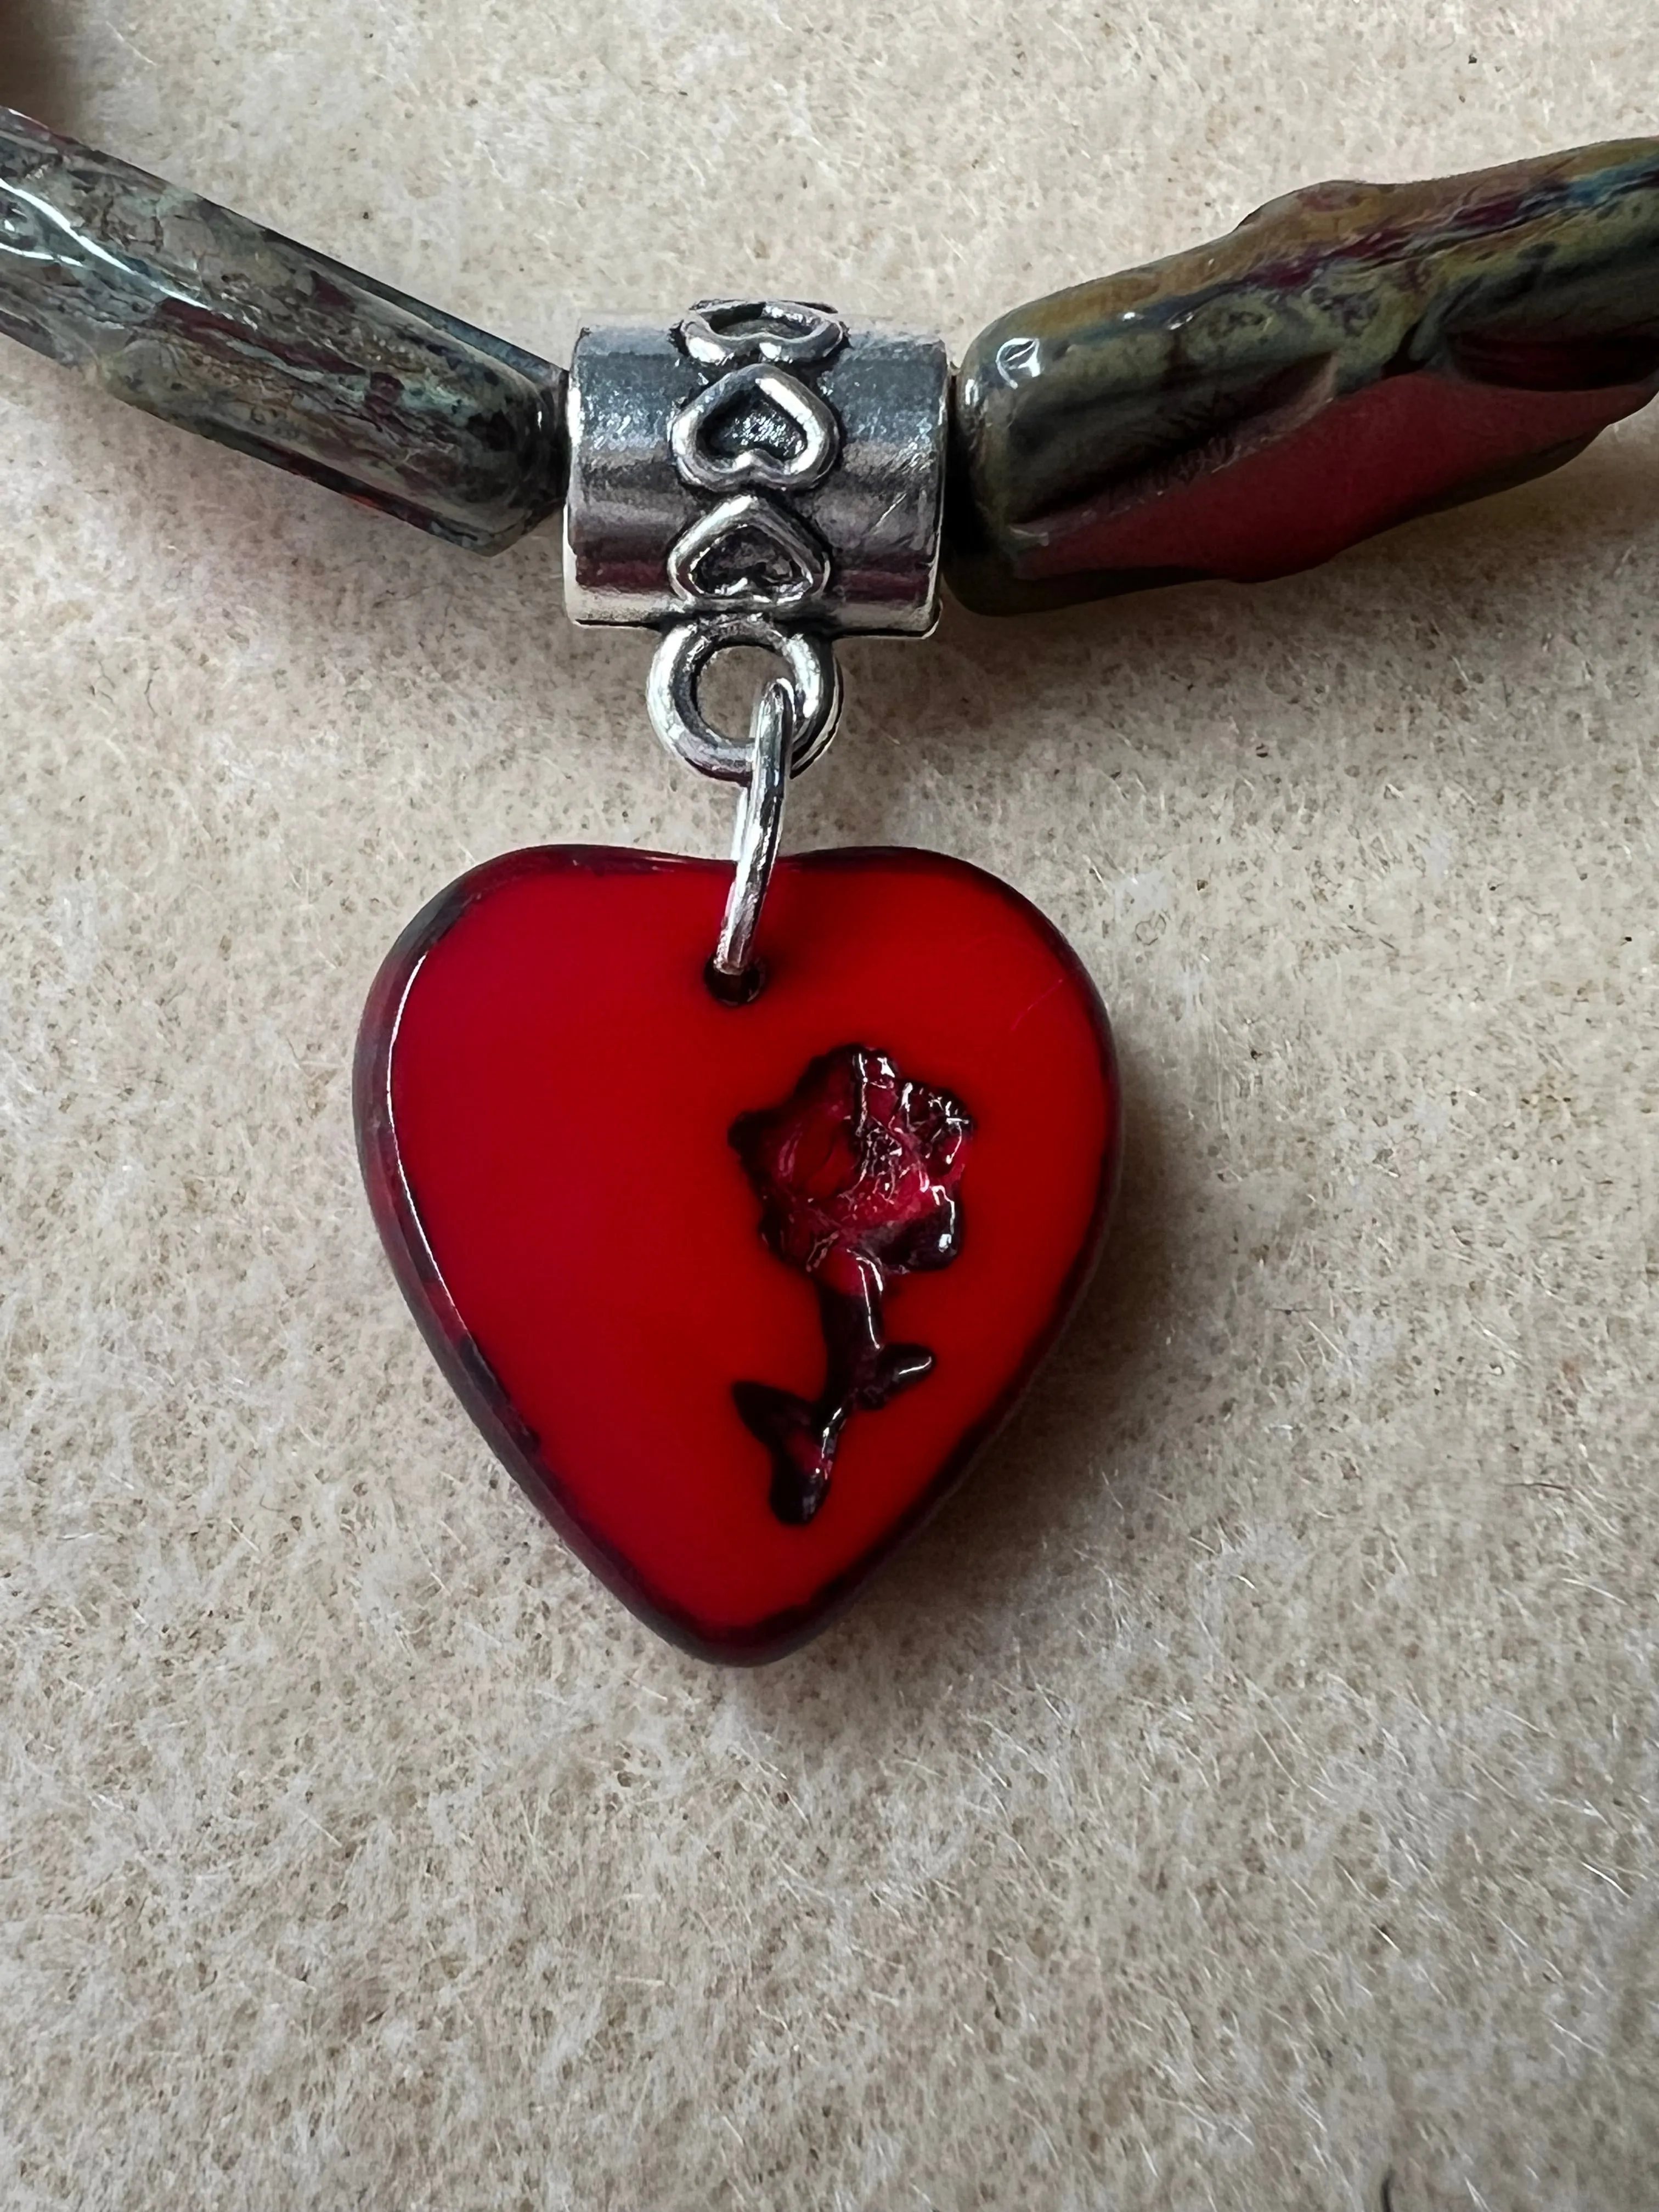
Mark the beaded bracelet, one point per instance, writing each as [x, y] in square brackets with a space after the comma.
[837, 1133]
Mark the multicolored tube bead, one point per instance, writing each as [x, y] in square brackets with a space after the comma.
[1351, 356]
[213, 323]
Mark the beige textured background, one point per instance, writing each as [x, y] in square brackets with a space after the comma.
[1245, 1797]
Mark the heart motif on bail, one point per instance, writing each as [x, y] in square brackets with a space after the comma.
[748, 552]
[764, 405]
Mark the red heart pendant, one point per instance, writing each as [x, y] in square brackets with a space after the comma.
[737, 1291]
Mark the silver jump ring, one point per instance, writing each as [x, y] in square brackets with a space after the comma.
[814, 683]
[754, 847]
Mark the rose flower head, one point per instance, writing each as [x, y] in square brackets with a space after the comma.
[859, 1165]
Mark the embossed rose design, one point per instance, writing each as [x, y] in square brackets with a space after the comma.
[857, 1172]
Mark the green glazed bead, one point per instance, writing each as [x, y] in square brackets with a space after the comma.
[216, 324]
[1351, 356]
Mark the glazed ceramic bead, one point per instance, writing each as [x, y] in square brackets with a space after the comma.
[1350, 356]
[218, 324]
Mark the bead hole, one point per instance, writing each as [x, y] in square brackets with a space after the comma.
[736, 990]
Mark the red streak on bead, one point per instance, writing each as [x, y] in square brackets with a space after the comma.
[1357, 466]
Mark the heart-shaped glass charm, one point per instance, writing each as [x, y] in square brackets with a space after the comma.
[737, 1291]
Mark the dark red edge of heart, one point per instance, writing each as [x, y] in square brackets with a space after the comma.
[458, 1353]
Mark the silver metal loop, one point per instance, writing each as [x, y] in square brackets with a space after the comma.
[814, 685]
[754, 847]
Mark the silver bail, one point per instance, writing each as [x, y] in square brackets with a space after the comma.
[759, 476]
[760, 457]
